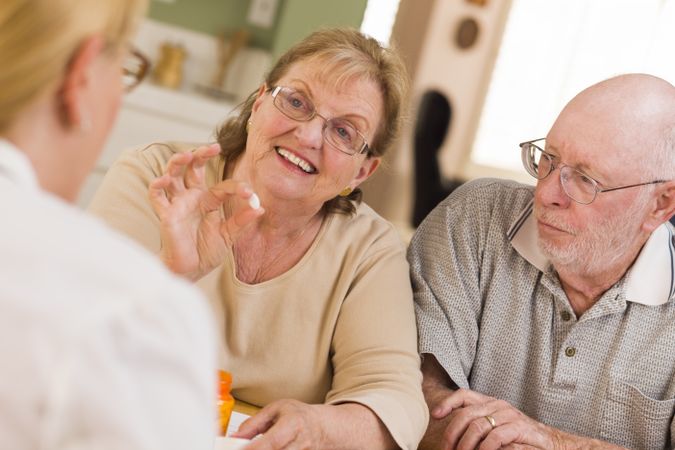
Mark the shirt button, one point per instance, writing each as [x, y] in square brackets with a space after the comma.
[566, 316]
[570, 351]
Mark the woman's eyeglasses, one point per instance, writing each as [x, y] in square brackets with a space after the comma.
[338, 132]
[135, 67]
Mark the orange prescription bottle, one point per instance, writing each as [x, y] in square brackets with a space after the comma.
[225, 401]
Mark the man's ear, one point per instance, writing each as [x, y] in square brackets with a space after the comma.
[77, 78]
[664, 206]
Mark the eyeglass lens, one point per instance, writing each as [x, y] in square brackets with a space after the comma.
[338, 132]
[134, 69]
[577, 185]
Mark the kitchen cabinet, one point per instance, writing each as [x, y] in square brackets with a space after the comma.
[154, 114]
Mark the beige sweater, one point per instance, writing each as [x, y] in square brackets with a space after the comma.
[337, 327]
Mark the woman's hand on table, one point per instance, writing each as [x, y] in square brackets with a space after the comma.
[287, 424]
[291, 424]
[195, 235]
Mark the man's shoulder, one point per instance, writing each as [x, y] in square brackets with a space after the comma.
[489, 200]
[493, 192]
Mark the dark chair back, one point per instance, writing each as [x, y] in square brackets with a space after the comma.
[433, 121]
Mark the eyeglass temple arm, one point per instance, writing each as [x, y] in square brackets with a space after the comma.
[632, 185]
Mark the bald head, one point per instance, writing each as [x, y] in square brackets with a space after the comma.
[628, 117]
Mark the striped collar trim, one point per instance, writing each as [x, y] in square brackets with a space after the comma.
[651, 279]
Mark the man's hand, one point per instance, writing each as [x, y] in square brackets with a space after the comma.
[478, 421]
[465, 419]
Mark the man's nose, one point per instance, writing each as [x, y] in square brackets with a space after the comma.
[550, 191]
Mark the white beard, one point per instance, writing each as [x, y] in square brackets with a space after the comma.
[595, 247]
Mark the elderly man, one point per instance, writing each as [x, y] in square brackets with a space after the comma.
[546, 315]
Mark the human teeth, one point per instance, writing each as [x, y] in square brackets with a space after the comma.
[301, 163]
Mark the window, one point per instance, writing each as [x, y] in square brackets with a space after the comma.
[378, 20]
[553, 49]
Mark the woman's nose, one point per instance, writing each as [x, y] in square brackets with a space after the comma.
[310, 134]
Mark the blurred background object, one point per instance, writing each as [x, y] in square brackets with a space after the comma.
[169, 68]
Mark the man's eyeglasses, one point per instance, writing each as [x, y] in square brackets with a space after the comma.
[337, 132]
[134, 69]
[577, 185]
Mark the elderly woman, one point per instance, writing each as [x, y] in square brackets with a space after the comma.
[93, 357]
[312, 287]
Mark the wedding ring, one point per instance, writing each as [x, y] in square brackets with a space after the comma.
[491, 419]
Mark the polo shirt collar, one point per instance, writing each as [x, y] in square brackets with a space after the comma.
[16, 167]
[651, 279]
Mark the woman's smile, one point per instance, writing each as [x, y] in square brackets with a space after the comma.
[296, 161]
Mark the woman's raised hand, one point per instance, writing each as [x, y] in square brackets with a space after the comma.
[195, 232]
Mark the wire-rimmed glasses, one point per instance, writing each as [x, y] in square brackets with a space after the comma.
[338, 132]
[577, 185]
[134, 69]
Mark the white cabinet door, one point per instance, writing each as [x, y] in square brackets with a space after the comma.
[152, 114]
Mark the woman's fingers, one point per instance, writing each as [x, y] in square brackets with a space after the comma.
[238, 221]
[175, 169]
[280, 424]
[257, 424]
[195, 171]
[157, 194]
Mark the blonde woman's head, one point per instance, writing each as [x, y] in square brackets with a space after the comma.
[39, 37]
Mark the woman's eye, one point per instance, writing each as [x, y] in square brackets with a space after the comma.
[296, 101]
[344, 131]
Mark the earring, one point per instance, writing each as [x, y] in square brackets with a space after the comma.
[345, 192]
[248, 125]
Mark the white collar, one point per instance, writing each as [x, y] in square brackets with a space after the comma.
[651, 279]
[16, 167]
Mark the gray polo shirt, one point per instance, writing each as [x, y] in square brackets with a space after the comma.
[491, 309]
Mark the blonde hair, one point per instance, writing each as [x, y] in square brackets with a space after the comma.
[39, 37]
[345, 54]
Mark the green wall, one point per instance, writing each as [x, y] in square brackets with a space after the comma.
[213, 17]
[299, 17]
[295, 18]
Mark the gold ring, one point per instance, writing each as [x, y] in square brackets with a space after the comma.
[491, 419]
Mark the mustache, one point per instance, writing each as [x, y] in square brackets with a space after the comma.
[550, 219]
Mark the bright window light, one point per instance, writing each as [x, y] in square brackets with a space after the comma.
[378, 20]
[553, 49]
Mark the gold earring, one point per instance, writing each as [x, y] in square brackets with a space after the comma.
[248, 125]
[345, 192]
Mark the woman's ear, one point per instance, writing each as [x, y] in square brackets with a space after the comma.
[368, 167]
[259, 97]
[76, 82]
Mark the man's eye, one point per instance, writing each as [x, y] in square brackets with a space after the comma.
[585, 179]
